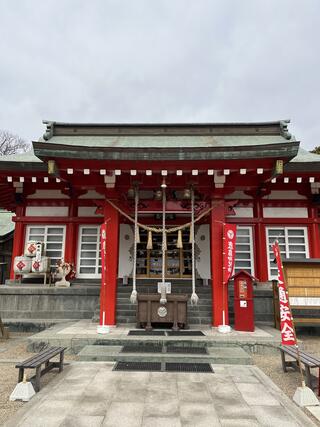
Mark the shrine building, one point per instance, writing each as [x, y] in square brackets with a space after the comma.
[78, 176]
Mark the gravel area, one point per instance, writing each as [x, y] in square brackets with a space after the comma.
[12, 351]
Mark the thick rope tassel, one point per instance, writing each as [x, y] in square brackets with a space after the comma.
[194, 297]
[134, 297]
[134, 293]
[149, 243]
[179, 240]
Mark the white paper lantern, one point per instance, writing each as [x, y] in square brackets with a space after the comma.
[32, 248]
[22, 265]
[42, 266]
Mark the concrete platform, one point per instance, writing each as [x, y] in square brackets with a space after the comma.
[91, 394]
[224, 355]
[76, 335]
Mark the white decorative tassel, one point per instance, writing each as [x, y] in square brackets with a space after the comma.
[138, 235]
[179, 240]
[163, 298]
[134, 297]
[149, 243]
[194, 299]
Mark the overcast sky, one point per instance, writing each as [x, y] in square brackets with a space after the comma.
[160, 61]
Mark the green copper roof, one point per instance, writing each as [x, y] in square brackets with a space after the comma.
[29, 156]
[305, 156]
[155, 141]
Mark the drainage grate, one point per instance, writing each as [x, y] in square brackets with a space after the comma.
[138, 366]
[186, 350]
[186, 333]
[146, 333]
[189, 367]
[142, 348]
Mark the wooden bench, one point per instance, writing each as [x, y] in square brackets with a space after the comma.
[306, 359]
[35, 362]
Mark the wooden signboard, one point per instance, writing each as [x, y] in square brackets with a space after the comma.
[303, 282]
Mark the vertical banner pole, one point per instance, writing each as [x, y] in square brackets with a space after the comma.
[103, 328]
[229, 249]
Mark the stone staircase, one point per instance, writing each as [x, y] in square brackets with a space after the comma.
[183, 352]
[197, 315]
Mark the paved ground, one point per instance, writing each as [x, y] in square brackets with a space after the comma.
[91, 394]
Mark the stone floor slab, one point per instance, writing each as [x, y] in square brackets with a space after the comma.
[193, 392]
[271, 416]
[82, 421]
[161, 422]
[198, 414]
[124, 414]
[256, 394]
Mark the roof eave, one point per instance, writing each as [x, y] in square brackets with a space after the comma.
[286, 150]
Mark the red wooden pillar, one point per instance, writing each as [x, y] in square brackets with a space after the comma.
[18, 237]
[217, 221]
[108, 292]
[313, 234]
[260, 244]
[71, 234]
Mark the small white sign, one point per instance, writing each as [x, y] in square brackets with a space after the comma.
[168, 287]
[243, 304]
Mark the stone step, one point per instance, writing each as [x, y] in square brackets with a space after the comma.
[224, 355]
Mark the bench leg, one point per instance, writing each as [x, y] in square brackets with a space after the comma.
[283, 361]
[20, 375]
[38, 375]
[61, 361]
[308, 376]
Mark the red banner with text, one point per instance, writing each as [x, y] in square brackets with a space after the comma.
[103, 243]
[229, 250]
[288, 336]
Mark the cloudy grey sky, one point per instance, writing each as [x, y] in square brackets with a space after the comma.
[160, 61]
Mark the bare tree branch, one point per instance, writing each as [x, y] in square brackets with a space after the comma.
[12, 144]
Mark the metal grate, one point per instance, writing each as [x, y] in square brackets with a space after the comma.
[185, 333]
[147, 333]
[186, 350]
[189, 367]
[142, 348]
[138, 366]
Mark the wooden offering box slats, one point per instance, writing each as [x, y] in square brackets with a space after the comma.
[303, 282]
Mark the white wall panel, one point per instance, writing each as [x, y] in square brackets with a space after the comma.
[47, 211]
[125, 245]
[48, 194]
[285, 212]
[91, 194]
[88, 211]
[203, 259]
[284, 195]
[243, 212]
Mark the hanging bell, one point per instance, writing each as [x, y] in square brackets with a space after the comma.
[179, 241]
[149, 243]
